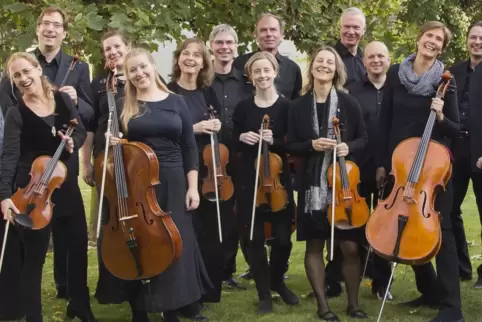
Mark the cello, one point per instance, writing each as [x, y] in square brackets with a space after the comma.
[350, 209]
[217, 186]
[269, 194]
[405, 228]
[139, 240]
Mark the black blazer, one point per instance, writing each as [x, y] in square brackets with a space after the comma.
[475, 112]
[300, 134]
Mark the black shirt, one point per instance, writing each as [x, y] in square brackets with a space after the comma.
[230, 89]
[405, 115]
[464, 100]
[289, 79]
[28, 136]
[370, 99]
[49, 69]
[354, 63]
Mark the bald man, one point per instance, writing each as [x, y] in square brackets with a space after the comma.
[369, 92]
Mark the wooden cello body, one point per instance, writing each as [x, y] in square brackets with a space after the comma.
[351, 210]
[139, 240]
[405, 227]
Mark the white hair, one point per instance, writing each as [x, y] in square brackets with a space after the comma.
[353, 11]
[223, 28]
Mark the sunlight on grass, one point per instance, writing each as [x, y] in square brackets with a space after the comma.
[240, 306]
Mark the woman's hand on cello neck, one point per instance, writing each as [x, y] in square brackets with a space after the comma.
[112, 139]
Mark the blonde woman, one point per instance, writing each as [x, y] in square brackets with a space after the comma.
[309, 137]
[31, 130]
[262, 69]
[159, 118]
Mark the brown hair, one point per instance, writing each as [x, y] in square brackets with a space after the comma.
[430, 25]
[131, 106]
[206, 74]
[475, 24]
[340, 73]
[46, 85]
[270, 15]
[53, 9]
[113, 33]
[258, 56]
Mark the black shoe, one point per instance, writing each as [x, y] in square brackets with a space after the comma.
[328, 316]
[265, 305]
[356, 313]
[423, 301]
[286, 294]
[449, 315]
[62, 293]
[380, 293]
[247, 275]
[232, 283]
[198, 317]
[333, 290]
[478, 284]
[83, 315]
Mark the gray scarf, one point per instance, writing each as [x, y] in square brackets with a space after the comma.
[424, 85]
[317, 195]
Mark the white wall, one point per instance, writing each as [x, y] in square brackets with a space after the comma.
[163, 56]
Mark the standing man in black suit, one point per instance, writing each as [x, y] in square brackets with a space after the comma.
[464, 168]
[69, 225]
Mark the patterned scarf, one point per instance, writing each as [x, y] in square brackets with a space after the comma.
[423, 85]
[318, 195]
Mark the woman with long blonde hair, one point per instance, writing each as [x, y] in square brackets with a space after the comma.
[310, 131]
[32, 129]
[155, 116]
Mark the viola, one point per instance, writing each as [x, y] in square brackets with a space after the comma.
[139, 240]
[47, 174]
[71, 68]
[271, 195]
[216, 158]
[350, 210]
[404, 227]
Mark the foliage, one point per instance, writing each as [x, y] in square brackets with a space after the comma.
[309, 23]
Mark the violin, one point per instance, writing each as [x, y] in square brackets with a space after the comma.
[271, 195]
[216, 158]
[139, 240]
[71, 68]
[404, 227]
[351, 210]
[47, 174]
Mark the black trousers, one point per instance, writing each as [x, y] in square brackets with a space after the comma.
[269, 275]
[69, 230]
[230, 244]
[214, 252]
[443, 285]
[21, 276]
[462, 174]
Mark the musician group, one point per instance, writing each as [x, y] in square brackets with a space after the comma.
[185, 172]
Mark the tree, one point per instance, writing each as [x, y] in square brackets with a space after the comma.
[309, 23]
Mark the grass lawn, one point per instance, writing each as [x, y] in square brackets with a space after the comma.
[241, 305]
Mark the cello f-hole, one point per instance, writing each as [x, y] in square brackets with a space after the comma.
[115, 227]
[424, 203]
[394, 199]
[141, 208]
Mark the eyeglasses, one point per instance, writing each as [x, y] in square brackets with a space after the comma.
[47, 23]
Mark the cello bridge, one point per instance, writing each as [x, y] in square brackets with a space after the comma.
[128, 217]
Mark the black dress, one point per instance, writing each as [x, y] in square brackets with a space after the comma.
[166, 127]
[248, 117]
[205, 219]
[299, 143]
[405, 115]
[28, 136]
